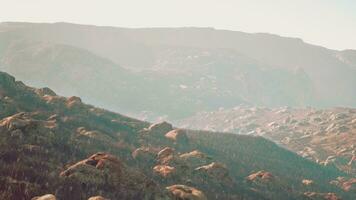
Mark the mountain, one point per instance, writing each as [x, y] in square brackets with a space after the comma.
[174, 73]
[56, 145]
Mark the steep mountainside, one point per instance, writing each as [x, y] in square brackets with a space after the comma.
[61, 146]
[189, 69]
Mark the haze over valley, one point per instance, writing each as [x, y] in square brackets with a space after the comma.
[147, 100]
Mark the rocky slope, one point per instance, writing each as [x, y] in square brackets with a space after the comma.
[327, 136]
[174, 73]
[61, 146]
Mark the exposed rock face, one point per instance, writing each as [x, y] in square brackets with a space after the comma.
[178, 136]
[260, 175]
[195, 158]
[215, 170]
[165, 155]
[45, 197]
[99, 161]
[73, 102]
[103, 171]
[16, 122]
[322, 196]
[164, 170]
[325, 136]
[160, 128]
[144, 154]
[182, 192]
[348, 185]
[307, 182]
[155, 134]
[45, 91]
[97, 198]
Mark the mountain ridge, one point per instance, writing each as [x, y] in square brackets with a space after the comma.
[177, 27]
[235, 67]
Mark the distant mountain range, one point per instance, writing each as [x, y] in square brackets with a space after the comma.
[176, 72]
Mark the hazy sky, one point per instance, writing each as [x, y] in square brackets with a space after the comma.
[330, 23]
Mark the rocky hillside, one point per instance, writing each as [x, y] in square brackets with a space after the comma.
[327, 137]
[53, 146]
[175, 73]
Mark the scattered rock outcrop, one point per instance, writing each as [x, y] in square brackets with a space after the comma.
[16, 122]
[325, 136]
[261, 176]
[45, 197]
[348, 185]
[322, 196]
[164, 170]
[45, 91]
[103, 171]
[195, 158]
[42, 135]
[160, 128]
[182, 192]
[178, 136]
[215, 170]
[99, 161]
[307, 182]
[165, 155]
[144, 154]
[97, 198]
[73, 102]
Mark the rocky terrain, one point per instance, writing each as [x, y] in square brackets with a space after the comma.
[58, 147]
[173, 73]
[326, 136]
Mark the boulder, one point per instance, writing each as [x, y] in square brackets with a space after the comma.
[164, 170]
[345, 184]
[195, 158]
[101, 173]
[144, 154]
[97, 198]
[165, 155]
[178, 136]
[73, 101]
[99, 161]
[260, 175]
[160, 128]
[182, 192]
[17, 121]
[45, 91]
[307, 182]
[352, 160]
[349, 185]
[217, 171]
[324, 196]
[45, 197]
